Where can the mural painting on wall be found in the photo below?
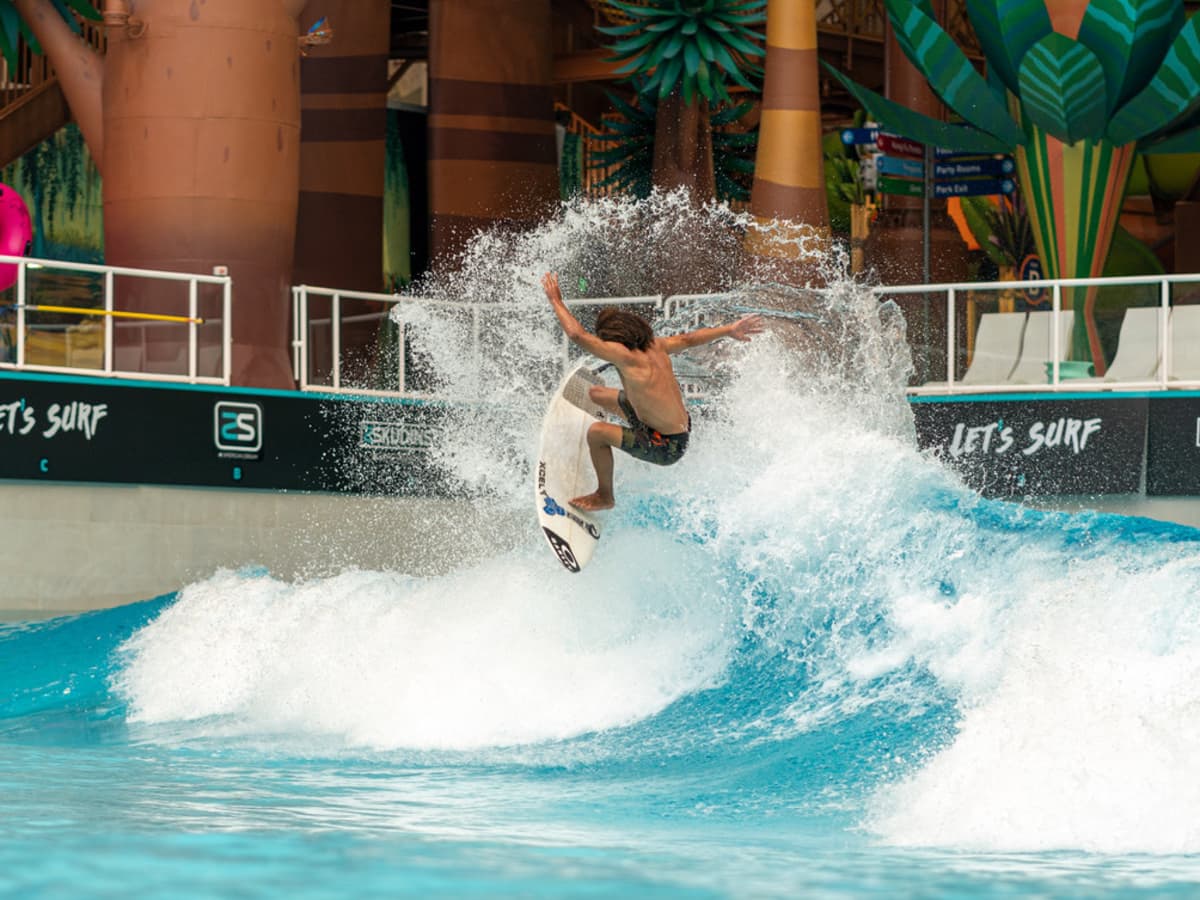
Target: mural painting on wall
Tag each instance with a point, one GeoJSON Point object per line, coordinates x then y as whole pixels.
{"type": "Point", "coordinates": [60, 184]}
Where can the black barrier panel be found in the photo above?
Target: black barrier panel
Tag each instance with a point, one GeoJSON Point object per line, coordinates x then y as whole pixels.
{"type": "Point", "coordinates": [1030, 448]}
{"type": "Point", "coordinates": [62, 429]}
{"type": "Point", "coordinates": [1173, 456]}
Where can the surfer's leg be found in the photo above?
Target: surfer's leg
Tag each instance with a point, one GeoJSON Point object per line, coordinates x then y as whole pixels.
{"type": "Point", "coordinates": [601, 438]}
{"type": "Point", "coordinates": [605, 398]}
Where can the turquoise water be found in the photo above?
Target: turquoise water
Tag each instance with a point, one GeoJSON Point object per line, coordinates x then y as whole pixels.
{"type": "Point", "coordinates": [804, 662]}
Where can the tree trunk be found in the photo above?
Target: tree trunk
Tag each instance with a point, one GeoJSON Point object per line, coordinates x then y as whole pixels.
{"type": "Point", "coordinates": [80, 69]}
{"type": "Point", "coordinates": [202, 143]}
{"type": "Point", "coordinates": [683, 154]}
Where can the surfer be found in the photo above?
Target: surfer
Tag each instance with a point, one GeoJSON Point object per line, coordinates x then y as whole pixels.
{"type": "Point", "coordinates": [651, 401]}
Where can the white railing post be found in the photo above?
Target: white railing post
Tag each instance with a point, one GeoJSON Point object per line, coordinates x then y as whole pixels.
{"type": "Point", "coordinates": [1164, 335]}
{"type": "Point", "coordinates": [1055, 331]}
{"type": "Point", "coordinates": [20, 313]}
{"type": "Point", "coordinates": [401, 355]}
{"type": "Point", "coordinates": [296, 334]}
{"type": "Point", "coordinates": [951, 342]}
{"type": "Point", "coordinates": [227, 331]}
{"type": "Point", "coordinates": [109, 361]}
{"type": "Point", "coordinates": [304, 337]}
{"type": "Point", "coordinates": [192, 335]}
{"type": "Point", "coordinates": [336, 325]}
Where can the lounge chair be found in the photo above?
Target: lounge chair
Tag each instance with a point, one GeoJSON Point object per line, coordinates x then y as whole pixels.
{"type": "Point", "coordinates": [1036, 349]}
{"type": "Point", "coordinates": [1138, 350]}
{"type": "Point", "coordinates": [1185, 344]}
{"type": "Point", "coordinates": [997, 348]}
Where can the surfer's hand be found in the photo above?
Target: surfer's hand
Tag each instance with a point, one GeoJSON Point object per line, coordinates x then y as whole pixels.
{"type": "Point", "coordinates": [550, 286]}
{"type": "Point", "coordinates": [743, 329]}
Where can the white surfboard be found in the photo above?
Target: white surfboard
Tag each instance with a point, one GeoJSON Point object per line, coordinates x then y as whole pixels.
{"type": "Point", "coordinates": [564, 471]}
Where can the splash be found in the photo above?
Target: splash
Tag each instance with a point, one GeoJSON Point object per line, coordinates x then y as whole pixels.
{"type": "Point", "coordinates": [805, 608]}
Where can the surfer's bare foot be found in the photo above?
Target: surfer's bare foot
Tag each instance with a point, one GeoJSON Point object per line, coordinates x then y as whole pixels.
{"type": "Point", "coordinates": [594, 502]}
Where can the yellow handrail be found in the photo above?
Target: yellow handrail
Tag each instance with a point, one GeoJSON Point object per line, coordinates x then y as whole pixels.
{"type": "Point", "coordinates": [155, 317]}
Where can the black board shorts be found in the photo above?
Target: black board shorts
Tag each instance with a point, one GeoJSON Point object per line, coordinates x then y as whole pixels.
{"type": "Point", "coordinates": [641, 441]}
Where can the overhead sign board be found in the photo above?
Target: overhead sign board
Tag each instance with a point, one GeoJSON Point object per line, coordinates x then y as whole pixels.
{"type": "Point", "coordinates": [854, 136]}
{"type": "Point", "coordinates": [900, 167]}
{"type": "Point", "coordinates": [954, 168]}
{"type": "Point", "coordinates": [903, 187]}
{"type": "Point", "coordinates": [975, 187]}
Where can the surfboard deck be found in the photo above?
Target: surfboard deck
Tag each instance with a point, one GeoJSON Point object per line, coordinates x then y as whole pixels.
{"type": "Point", "coordinates": [564, 470]}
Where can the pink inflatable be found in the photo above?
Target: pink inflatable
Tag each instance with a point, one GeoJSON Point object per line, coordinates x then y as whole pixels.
{"type": "Point", "coordinates": [16, 233]}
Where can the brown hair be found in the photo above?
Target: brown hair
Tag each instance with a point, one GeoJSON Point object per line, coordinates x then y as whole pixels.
{"type": "Point", "coordinates": [624, 327]}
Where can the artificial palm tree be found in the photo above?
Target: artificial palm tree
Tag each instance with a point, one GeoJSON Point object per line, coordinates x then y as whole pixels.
{"type": "Point", "coordinates": [685, 54]}
{"type": "Point", "coordinates": [1075, 88]}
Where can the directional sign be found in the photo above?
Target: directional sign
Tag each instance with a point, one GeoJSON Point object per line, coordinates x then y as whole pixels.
{"type": "Point", "coordinates": [897, 165]}
{"type": "Point", "coordinates": [898, 146]}
{"type": "Point", "coordinates": [973, 188]}
{"type": "Point", "coordinates": [852, 136]}
{"type": "Point", "coordinates": [903, 186]}
{"type": "Point", "coordinates": [956, 168]}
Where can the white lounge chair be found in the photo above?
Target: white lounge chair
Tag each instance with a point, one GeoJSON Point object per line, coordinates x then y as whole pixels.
{"type": "Point", "coordinates": [1036, 349]}
{"type": "Point", "coordinates": [997, 348]}
{"type": "Point", "coordinates": [1138, 350]}
{"type": "Point", "coordinates": [1185, 344]}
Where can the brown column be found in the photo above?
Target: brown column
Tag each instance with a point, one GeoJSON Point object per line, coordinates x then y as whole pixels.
{"type": "Point", "coordinates": [491, 126]}
{"type": "Point", "coordinates": [201, 149]}
{"type": "Point", "coordinates": [343, 116]}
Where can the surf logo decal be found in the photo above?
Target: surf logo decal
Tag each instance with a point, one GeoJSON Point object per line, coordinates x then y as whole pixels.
{"type": "Point", "coordinates": [552, 508]}
{"type": "Point", "coordinates": [562, 549]}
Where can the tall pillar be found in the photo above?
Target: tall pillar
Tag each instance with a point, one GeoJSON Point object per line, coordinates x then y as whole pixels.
{"type": "Point", "coordinates": [491, 126]}
{"type": "Point", "coordinates": [343, 122]}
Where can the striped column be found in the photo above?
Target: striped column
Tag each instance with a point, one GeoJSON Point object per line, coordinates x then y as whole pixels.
{"type": "Point", "coordinates": [789, 181]}
{"type": "Point", "coordinates": [789, 178]}
{"type": "Point", "coordinates": [343, 120]}
{"type": "Point", "coordinates": [492, 155]}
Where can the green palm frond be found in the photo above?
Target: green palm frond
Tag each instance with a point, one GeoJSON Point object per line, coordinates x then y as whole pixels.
{"type": "Point", "coordinates": [917, 126]}
{"type": "Point", "coordinates": [696, 47]}
{"type": "Point", "coordinates": [951, 75]}
{"type": "Point", "coordinates": [1172, 94]}
{"type": "Point", "coordinates": [733, 152]}
{"type": "Point", "coordinates": [1062, 88]}
{"type": "Point", "coordinates": [13, 29]}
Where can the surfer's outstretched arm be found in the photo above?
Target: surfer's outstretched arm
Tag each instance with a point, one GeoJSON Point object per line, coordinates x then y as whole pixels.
{"type": "Point", "coordinates": [609, 351]}
{"type": "Point", "coordinates": [741, 330]}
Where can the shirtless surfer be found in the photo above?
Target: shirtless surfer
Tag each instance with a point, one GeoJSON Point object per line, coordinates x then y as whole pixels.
{"type": "Point", "coordinates": [651, 401]}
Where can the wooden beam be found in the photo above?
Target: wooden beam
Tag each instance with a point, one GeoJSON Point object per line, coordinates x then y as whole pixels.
{"type": "Point", "coordinates": [585, 65]}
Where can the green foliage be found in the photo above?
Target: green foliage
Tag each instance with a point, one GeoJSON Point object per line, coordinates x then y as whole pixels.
{"type": "Point", "coordinates": [733, 153]}
{"type": "Point", "coordinates": [630, 134]}
{"type": "Point", "coordinates": [13, 28]}
{"type": "Point", "coordinates": [1132, 74]}
{"type": "Point", "coordinates": [951, 75]}
{"type": "Point", "coordinates": [1003, 230]}
{"type": "Point", "coordinates": [691, 46]}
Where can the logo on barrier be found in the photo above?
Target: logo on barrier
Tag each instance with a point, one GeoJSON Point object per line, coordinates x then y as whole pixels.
{"type": "Point", "coordinates": [375, 435]}
{"type": "Point", "coordinates": [237, 427]}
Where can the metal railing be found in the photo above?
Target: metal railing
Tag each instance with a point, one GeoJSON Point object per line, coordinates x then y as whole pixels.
{"type": "Point", "coordinates": [25, 304]}
{"type": "Point", "coordinates": [304, 325]}
{"type": "Point", "coordinates": [1163, 373]}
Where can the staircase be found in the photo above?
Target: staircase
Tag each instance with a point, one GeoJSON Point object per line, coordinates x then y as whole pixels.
{"type": "Point", "coordinates": [32, 105]}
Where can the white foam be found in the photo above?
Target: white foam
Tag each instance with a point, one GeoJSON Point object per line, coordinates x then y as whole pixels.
{"type": "Point", "coordinates": [514, 652]}
{"type": "Point", "coordinates": [1081, 718]}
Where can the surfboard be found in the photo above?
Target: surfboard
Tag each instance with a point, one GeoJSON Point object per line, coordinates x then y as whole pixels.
{"type": "Point", "coordinates": [564, 470]}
